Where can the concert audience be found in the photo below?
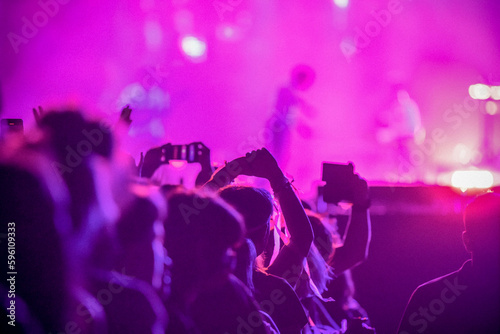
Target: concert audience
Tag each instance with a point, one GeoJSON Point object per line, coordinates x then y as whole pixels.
{"type": "Point", "coordinates": [256, 207]}
{"type": "Point", "coordinates": [102, 250]}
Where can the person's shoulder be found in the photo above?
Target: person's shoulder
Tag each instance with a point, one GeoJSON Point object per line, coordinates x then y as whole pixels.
{"type": "Point", "coordinates": [276, 294]}
{"type": "Point", "coordinates": [237, 287]}
{"type": "Point", "coordinates": [263, 280]}
{"type": "Point", "coordinates": [440, 282]}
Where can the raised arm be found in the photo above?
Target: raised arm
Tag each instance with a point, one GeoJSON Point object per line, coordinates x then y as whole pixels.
{"type": "Point", "coordinates": [292, 255]}
{"type": "Point", "coordinates": [260, 163]}
{"type": "Point", "coordinates": [297, 222]}
{"type": "Point", "coordinates": [357, 240]}
{"type": "Point", "coordinates": [224, 175]}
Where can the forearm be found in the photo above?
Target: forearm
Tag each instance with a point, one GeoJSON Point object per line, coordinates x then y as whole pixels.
{"type": "Point", "coordinates": [297, 222]}
{"type": "Point", "coordinates": [223, 176]}
{"type": "Point", "coordinates": [356, 244]}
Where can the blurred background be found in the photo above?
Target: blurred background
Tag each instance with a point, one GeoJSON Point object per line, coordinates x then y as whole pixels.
{"type": "Point", "coordinates": [210, 71]}
{"type": "Point", "coordinates": [406, 90]}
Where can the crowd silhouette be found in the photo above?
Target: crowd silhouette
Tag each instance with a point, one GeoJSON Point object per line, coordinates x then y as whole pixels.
{"type": "Point", "coordinates": [103, 248]}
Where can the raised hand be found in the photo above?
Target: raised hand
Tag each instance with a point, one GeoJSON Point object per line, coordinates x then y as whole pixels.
{"type": "Point", "coordinates": [38, 114]}
{"type": "Point", "coordinates": [261, 163]}
{"type": "Point", "coordinates": [125, 115]}
{"type": "Point", "coordinates": [360, 195]}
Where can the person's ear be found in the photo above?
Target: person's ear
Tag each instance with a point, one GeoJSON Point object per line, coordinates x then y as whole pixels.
{"type": "Point", "coordinates": [467, 241]}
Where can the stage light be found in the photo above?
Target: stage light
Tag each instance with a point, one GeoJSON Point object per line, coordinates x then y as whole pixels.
{"type": "Point", "coordinates": [481, 179]}
{"type": "Point", "coordinates": [193, 47]}
{"type": "Point", "coordinates": [341, 3]}
{"type": "Point", "coordinates": [472, 91]}
{"type": "Point", "coordinates": [462, 154]}
{"type": "Point", "coordinates": [495, 92]}
{"type": "Point", "coordinates": [479, 92]}
{"type": "Point", "coordinates": [491, 108]}
{"type": "Point", "coordinates": [228, 32]}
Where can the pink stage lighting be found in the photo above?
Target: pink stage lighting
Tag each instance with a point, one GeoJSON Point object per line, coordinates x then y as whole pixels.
{"type": "Point", "coordinates": [194, 48]}
{"type": "Point", "coordinates": [480, 179]}
{"type": "Point", "coordinates": [341, 3]}
{"type": "Point", "coordinates": [491, 108]}
{"type": "Point", "coordinates": [484, 92]}
{"type": "Point", "coordinates": [495, 92]}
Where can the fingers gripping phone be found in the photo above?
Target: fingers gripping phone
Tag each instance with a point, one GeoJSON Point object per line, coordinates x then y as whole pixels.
{"type": "Point", "coordinates": [11, 126]}
{"type": "Point", "coordinates": [189, 152]}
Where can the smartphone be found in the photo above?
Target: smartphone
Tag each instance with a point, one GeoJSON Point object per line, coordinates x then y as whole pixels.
{"type": "Point", "coordinates": [189, 152]}
{"type": "Point", "coordinates": [339, 182]}
{"type": "Point", "coordinates": [12, 125]}
{"type": "Point", "coordinates": [336, 173]}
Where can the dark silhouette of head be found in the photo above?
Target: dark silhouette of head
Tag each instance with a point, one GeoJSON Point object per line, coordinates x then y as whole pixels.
{"type": "Point", "coordinates": [72, 141]}
{"type": "Point", "coordinates": [1, 99]}
{"type": "Point", "coordinates": [200, 232]}
{"type": "Point", "coordinates": [245, 263]}
{"type": "Point", "coordinates": [482, 228]}
{"type": "Point", "coordinates": [28, 204]}
{"type": "Point", "coordinates": [256, 206]}
{"type": "Point", "coordinates": [323, 239]}
{"type": "Point", "coordinates": [70, 128]}
{"type": "Point", "coordinates": [302, 77]}
{"type": "Point", "coordinates": [141, 239]}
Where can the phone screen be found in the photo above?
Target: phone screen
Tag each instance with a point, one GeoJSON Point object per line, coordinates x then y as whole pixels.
{"type": "Point", "coordinates": [337, 172]}
{"type": "Point", "coordinates": [192, 152]}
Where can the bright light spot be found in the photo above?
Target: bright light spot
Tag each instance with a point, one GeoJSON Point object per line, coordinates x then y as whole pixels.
{"type": "Point", "coordinates": [462, 154]}
{"type": "Point", "coordinates": [228, 32]}
{"type": "Point", "coordinates": [177, 164]}
{"type": "Point", "coordinates": [495, 92]}
{"type": "Point", "coordinates": [472, 91]}
{"type": "Point", "coordinates": [345, 205]}
{"type": "Point", "coordinates": [482, 91]}
{"type": "Point", "coordinates": [491, 108]}
{"type": "Point", "coordinates": [464, 180]}
{"type": "Point", "coordinates": [341, 3]}
{"type": "Point", "coordinates": [479, 91]}
{"type": "Point", "coordinates": [444, 179]}
{"type": "Point", "coordinates": [153, 34]}
{"type": "Point", "coordinates": [193, 47]}
{"type": "Point", "coordinates": [132, 94]}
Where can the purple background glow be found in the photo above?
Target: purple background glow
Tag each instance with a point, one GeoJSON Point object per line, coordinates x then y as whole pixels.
{"type": "Point", "coordinates": [97, 54]}
{"type": "Point", "coordinates": [90, 51]}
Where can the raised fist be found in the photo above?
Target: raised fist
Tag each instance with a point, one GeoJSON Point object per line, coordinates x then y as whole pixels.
{"type": "Point", "coordinates": [261, 163]}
